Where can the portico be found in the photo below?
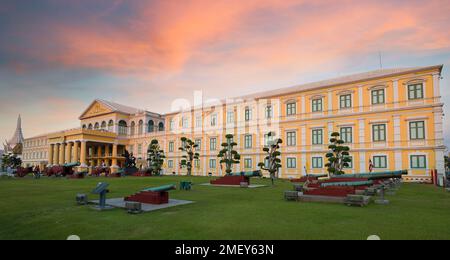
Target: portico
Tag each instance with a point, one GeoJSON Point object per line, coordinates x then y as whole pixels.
{"type": "Point", "coordinates": [89, 148]}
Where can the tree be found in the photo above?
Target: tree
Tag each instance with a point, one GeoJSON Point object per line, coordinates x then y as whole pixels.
{"type": "Point", "coordinates": [155, 157]}
{"type": "Point", "coordinates": [338, 157]}
{"type": "Point", "coordinates": [273, 161]}
{"type": "Point", "coordinates": [130, 160]}
{"type": "Point", "coordinates": [11, 160]}
{"type": "Point", "coordinates": [188, 146]}
{"type": "Point", "coordinates": [447, 163]}
{"type": "Point", "coordinates": [5, 161]}
{"type": "Point", "coordinates": [229, 155]}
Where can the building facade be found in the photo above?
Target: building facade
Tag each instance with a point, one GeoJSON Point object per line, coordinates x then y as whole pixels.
{"type": "Point", "coordinates": [390, 118]}
{"type": "Point", "coordinates": [35, 151]}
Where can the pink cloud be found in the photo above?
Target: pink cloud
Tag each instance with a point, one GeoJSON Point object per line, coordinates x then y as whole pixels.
{"type": "Point", "coordinates": [196, 31]}
{"type": "Point", "coordinates": [223, 47]}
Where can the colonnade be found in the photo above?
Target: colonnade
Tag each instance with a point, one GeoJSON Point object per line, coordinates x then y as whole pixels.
{"type": "Point", "coordinates": [87, 154]}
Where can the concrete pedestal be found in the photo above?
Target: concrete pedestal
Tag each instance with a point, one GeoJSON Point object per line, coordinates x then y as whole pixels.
{"type": "Point", "coordinates": [114, 169]}
{"type": "Point", "coordinates": [382, 202]}
{"type": "Point", "coordinates": [81, 168]}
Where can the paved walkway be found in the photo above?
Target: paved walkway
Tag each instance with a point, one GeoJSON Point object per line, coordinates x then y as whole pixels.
{"type": "Point", "coordinates": [120, 203]}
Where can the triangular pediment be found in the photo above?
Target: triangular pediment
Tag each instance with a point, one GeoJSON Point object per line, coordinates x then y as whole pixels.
{"type": "Point", "coordinates": [96, 109]}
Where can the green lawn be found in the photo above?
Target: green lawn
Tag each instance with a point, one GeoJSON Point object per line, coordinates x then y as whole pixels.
{"type": "Point", "coordinates": [45, 209]}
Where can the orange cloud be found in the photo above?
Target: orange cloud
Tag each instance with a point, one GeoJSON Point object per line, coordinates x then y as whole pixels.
{"type": "Point", "coordinates": [229, 48]}
{"type": "Point", "coordinates": [166, 37]}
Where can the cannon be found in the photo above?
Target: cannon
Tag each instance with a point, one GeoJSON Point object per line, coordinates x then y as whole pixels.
{"type": "Point", "coordinates": [347, 183]}
{"type": "Point", "coordinates": [309, 177]}
{"type": "Point", "coordinates": [155, 195]}
{"type": "Point", "coordinates": [236, 179]}
{"type": "Point", "coordinates": [246, 174]}
{"type": "Point", "coordinates": [162, 188]}
{"type": "Point", "coordinates": [67, 170]}
{"type": "Point", "coordinates": [374, 175]}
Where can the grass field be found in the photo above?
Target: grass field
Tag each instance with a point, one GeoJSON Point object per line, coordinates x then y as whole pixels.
{"type": "Point", "coordinates": [45, 209]}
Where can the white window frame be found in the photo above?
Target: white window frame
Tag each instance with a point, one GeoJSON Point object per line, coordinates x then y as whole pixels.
{"type": "Point", "coordinates": [211, 148]}
{"type": "Point", "coordinates": [383, 88]}
{"type": "Point", "coordinates": [380, 155]}
{"type": "Point", "coordinates": [291, 162]}
{"type": "Point", "coordinates": [289, 138]}
{"type": "Point", "coordinates": [212, 163]}
{"type": "Point", "coordinates": [248, 163]}
{"type": "Point", "coordinates": [312, 136]}
{"type": "Point", "coordinates": [312, 162]}
{"type": "Point", "coordinates": [351, 101]}
{"type": "Point", "coordinates": [214, 120]}
{"type": "Point", "coordinates": [424, 130]}
{"type": "Point", "coordinates": [321, 105]}
{"type": "Point", "coordinates": [291, 111]}
{"type": "Point", "coordinates": [246, 146]}
{"type": "Point", "coordinates": [351, 134]}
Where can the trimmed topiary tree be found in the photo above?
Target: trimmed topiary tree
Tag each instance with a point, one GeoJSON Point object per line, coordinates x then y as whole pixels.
{"type": "Point", "coordinates": [155, 157]}
{"type": "Point", "coordinates": [272, 158]}
{"type": "Point", "coordinates": [338, 157]}
{"type": "Point", "coordinates": [447, 163]}
{"type": "Point", "coordinates": [228, 155]}
{"type": "Point", "coordinates": [188, 146]}
{"type": "Point", "coordinates": [11, 160]}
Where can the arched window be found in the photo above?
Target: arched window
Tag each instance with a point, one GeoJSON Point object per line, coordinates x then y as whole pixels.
{"type": "Point", "coordinates": [84, 126]}
{"type": "Point", "coordinates": [161, 126]}
{"type": "Point", "coordinates": [111, 126]}
{"type": "Point", "coordinates": [103, 125]}
{"type": "Point", "coordinates": [151, 126]}
{"type": "Point", "coordinates": [97, 126]}
{"type": "Point", "coordinates": [122, 127]}
{"type": "Point", "coordinates": [90, 127]}
{"type": "Point", "coordinates": [141, 127]}
{"type": "Point", "coordinates": [133, 128]}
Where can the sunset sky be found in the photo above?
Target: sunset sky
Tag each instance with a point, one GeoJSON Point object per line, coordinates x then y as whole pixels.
{"type": "Point", "coordinates": [57, 56]}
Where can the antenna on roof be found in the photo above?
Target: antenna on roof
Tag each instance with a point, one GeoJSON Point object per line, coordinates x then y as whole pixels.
{"type": "Point", "coordinates": [381, 61]}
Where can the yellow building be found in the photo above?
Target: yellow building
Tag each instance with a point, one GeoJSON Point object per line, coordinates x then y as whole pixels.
{"type": "Point", "coordinates": [392, 118]}
{"type": "Point", "coordinates": [35, 151]}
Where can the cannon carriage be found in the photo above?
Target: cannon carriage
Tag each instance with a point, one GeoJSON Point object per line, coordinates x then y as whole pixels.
{"type": "Point", "coordinates": [235, 179]}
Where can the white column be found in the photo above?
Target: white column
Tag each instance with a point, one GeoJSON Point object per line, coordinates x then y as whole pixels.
{"type": "Point", "coordinates": [83, 154]}
{"type": "Point", "coordinates": [398, 160]}
{"type": "Point", "coordinates": [396, 96]}
{"type": "Point", "coordinates": [361, 99]}
{"type": "Point", "coordinates": [436, 87]}
{"type": "Point", "coordinates": [362, 134]}
{"type": "Point", "coordinates": [303, 107]}
{"type": "Point", "coordinates": [397, 131]}
{"type": "Point", "coordinates": [76, 157]}
{"type": "Point", "coordinates": [438, 126]}
{"type": "Point", "coordinates": [362, 162]}
{"type": "Point", "coordinates": [330, 102]}
{"type": "Point", "coordinates": [205, 163]}
{"type": "Point", "coordinates": [304, 163]}
{"type": "Point", "coordinates": [330, 131]}
{"type": "Point", "coordinates": [304, 145]}
{"type": "Point", "coordinates": [440, 165]}
{"type": "Point", "coordinates": [258, 146]}
{"type": "Point", "coordinates": [397, 143]}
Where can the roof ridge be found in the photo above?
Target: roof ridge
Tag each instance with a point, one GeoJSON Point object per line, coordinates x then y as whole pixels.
{"type": "Point", "coordinates": [346, 79]}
